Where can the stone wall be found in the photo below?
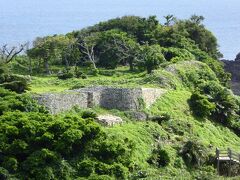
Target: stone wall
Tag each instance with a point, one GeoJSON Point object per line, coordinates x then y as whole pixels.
{"type": "Point", "coordinates": [150, 95]}
{"type": "Point", "coordinates": [106, 97]}
{"type": "Point", "coordinates": [58, 102]}
{"type": "Point", "coordinates": [122, 99]}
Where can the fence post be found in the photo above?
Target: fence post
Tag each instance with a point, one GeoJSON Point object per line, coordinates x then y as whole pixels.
{"type": "Point", "coordinates": [239, 160]}
{"type": "Point", "coordinates": [230, 161]}
{"type": "Point", "coordinates": [217, 155]}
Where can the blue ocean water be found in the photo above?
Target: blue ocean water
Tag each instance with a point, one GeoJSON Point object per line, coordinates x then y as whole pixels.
{"type": "Point", "coordinates": [24, 20]}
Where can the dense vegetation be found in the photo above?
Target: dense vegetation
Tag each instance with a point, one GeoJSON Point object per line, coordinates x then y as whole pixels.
{"type": "Point", "coordinates": [196, 114]}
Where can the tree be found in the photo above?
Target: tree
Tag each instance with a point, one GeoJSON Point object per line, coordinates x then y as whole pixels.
{"type": "Point", "coordinates": [197, 19]}
{"type": "Point", "coordinates": [202, 37]}
{"type": "Point", "coordinates": [88, 43]}
{"type": "Point", "coordinates": [150, 57]}
{"type": "Point", "coordinates": [138, 27]}
{"type": "Point", "coordinates": [7, 54]}
{"type": "Point", "coordinates": [116, 47]}
{"type": "Point", "coordinates": [52, 48]}
{"type": "Point", "coordinates": [169, 19]}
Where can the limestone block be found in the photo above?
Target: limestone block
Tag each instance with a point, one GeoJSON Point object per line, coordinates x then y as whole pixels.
{"type": "Point", "coordinates": [58, 102]}
{"type": "Point", "coordinates": [109, 120]}
{"type": "Point", "coordinates": [150, 95]}
{"type": "Point", "coordinates": [125, 99]}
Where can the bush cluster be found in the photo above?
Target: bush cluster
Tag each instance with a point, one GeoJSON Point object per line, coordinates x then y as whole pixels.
{"type": "Point", "coordinates": [13, 82]}
{"type": "Point", "coordinates": [40, 145]}
{"type": "Point", "coordinates": [217, 103]}
{"type": "Point", "coordinates": [34, 144]}
{"type": "Point", "coordinates": [194, 153]}
{"type": "Point", "coordinates": [10, 101]}
{"type": "Point", "coordinates": [67, 74]}
{"type": "Point", "coordinates": [159, 158]}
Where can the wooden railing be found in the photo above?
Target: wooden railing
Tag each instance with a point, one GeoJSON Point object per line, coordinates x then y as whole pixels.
{"type": "Point", "coordinates": [227, 155]}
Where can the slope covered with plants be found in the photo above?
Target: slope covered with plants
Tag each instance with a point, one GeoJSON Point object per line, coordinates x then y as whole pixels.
{"type": "Point", "coordinates": [197, 114]}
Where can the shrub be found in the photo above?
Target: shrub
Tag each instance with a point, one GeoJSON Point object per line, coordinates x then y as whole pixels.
{"type": "Point", "coordinates": [120, 171]}
{"type": "Point", "coordinates": [10, 101]}
{"type": "Point", "coordinates": [10, 164]}
{"type": "Point", "coordinates": [35, 144]}
{"type": "Point", "coordinates": [100, 177]}
{"type": "Point", "coordinates": [4, 174]}
{"type": "Point", "coordinates": [194, 153]}
{"type": "Point", "coordinates": [78, 74]}
{"type": "Point", "coordinates": [159, 158]}
{"type": "Point", "coordinates": [77, 86]}
{"type": "Point", "coordinates": [200, 105]}
{"type": "Point", "coordinates": [172, 54]}
{"type": "Point", "coordinates": [17, 86]}
{"type": "Point", "coordinates": [226, 105]}
{"type": "Point", "coordinates": [15, 83]}
{"type": "Point", "coordinates": [162, 118]}
{"type": "Point", "coordinates": [140, 175]}
{"type": "Point", "coordinates": [94, 72]}
{"type": "Point", "coordinates": [65, 75]}
{"type": "Point", "coordinates": [84, 76]}
{"type": "Point", "coordinates": [86, 168]}
{"type": "Point", "coordinates": [206, 173]}
{"type": "Point", "coordinates": [89, 114]}
{"type": "Point", "coordinates": [62, 147]}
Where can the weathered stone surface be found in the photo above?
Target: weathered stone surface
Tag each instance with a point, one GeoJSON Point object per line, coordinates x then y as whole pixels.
{"type": "Point", "coordinates": [150, 95]}
{"type": "Point", "coordinates": [237, 57]}
{"type": "Point", "coordinates": [109, 120]}
{"type": "Point", "coordinates": [233, 67]}
{"type": "Point", "coordinates": [106, 97]}
{"type": "Point", "coordinates": [58, 102]}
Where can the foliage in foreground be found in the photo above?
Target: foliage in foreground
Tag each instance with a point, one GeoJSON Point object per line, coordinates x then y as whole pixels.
{"type": "Point", "coordinates": [37, 145]}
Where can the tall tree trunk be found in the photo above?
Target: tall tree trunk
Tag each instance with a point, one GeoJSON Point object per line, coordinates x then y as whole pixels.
{"type": "Point", "coordinates": [131, 64]}
{"type": "Point", "coordinates": [66, 61]}
{"type": "Point", "coordinates": [30, 66]}
{"type": "Point", "coordinates": [46, 67]}
{"type": "Point", "coordinates": [91, 58]}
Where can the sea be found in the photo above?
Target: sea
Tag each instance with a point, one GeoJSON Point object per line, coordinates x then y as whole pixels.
{"type": "Point", "coordinates": [24, 20]}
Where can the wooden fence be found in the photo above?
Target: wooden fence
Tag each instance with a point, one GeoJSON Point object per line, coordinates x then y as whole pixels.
{"type": "Point", "coordinates": [227, 156]}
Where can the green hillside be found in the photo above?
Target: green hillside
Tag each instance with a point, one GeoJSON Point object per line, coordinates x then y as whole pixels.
{"type": "Point", "coordinates": [197, 114]}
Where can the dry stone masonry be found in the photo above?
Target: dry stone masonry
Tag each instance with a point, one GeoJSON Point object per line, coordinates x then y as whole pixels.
{"type": "Point", "coordinates": [106, 97]}
{"type": "Point", "coordinates": [57, 102]}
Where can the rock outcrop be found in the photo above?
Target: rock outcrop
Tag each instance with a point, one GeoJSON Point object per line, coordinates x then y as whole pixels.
{"type": "Point", "coordinates": [109, 120]}
{"type": "Point", "coordinates": [237, 59]}
{"type": "Point", "coordinates": [233, 67]}
{"type": "Point", "coordinates": [107, 97]}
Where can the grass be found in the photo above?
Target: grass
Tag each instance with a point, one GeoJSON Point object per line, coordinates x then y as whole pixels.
{"type": "Point", "coordinates": [171, 134]}
{"type": "Point", "coordinates": [175, 103]}
{"type": "Point", "coordinates": [142, 134]}
{"type": "Point", "coordinates": [122, 77]}
{"type": "Point", "coordinates": [170, 77]}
